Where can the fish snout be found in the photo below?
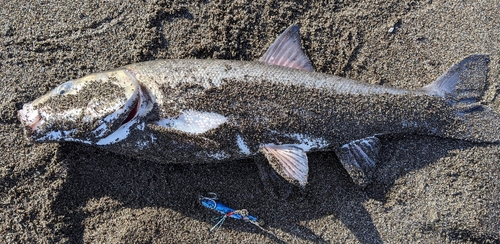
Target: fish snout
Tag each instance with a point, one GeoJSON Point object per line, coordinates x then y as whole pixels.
{"type": "Point", "coordinates": [29, 117]}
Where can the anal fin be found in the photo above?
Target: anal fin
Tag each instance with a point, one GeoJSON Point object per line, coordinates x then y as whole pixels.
{"type": "Point", "coordinates": [289, 161]}
{"type": "Point", "coordinates": [359, 158]}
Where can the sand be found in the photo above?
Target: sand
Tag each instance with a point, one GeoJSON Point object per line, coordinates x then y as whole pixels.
{"type": "Point", "coordinates": [426, 189]}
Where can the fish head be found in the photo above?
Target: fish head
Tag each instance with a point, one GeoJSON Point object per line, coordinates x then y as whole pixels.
{"type": "Point", "coordinates": [84, 109]}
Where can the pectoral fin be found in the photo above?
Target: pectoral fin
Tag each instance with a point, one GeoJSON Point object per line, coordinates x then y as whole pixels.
{"type": "Point", "coordinates": [289, 161]}
{"type": "Point", "coordinates": [359, 158]}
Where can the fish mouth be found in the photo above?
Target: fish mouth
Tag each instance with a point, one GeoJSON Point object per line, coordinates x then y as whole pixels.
{"type": "Point", "coordinates": [30, 118]}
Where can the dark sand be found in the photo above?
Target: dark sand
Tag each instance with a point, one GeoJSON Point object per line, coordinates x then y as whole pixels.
{"type": "Point", "coordinates": [427, 189]}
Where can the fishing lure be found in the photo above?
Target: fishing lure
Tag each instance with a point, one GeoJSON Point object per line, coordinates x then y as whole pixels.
{"type": "Point", "coordinates": [242, 214]}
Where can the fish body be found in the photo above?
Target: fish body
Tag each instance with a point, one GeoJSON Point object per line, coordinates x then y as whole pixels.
{"type": "Point", "coordinates": [190, 111]}
{"type": "Point", "coordinates": [251, 104]}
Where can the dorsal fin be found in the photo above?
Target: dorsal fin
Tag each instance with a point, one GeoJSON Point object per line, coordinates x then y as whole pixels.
{"type": "Point", "coordinates": [286, 51]}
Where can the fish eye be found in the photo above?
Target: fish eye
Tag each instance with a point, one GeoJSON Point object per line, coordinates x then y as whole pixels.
{"type": "Point", "coordinates": [63, 88]}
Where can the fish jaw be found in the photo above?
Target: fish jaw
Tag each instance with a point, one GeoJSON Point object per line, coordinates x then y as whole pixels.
{"type": "Point", "coordinates": [30, 118]}
{"type": "Point", "coordinates": [83, 109]}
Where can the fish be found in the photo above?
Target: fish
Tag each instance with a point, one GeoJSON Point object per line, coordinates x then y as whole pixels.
{"type": "Point", "coordinates": [277, 109]}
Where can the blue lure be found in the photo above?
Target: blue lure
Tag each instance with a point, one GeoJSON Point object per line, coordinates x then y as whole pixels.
{"type": "Point", "coordinates": [212, 203]}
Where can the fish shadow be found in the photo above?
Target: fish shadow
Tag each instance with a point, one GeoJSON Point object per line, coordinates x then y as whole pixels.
{"type": "Point", "coordinates": [94, 174]}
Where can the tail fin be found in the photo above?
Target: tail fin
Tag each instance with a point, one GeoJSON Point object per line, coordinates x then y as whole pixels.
{"type": "Point", "coordinates": [463, 86]}
{"type": "Point", "coordinates": [464, 82]}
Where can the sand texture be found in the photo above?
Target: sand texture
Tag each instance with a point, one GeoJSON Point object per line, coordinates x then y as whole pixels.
{"type": "Point", "coordinates": [427, 189]}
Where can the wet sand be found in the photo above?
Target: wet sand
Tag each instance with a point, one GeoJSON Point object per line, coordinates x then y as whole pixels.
{"type": "Point", "coordinates": [426, 189]}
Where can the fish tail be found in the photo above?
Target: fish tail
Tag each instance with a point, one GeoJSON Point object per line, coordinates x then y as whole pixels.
{"type": "Point", "coordinates": [463, 87]}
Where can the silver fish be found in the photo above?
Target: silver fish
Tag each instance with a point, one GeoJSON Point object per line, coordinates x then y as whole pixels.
{"type": "Point", "coordinates": [185, 111]}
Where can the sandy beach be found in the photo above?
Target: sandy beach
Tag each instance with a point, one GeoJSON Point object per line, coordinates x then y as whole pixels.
{"type": "Point", "coordinates": [426, 189]}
